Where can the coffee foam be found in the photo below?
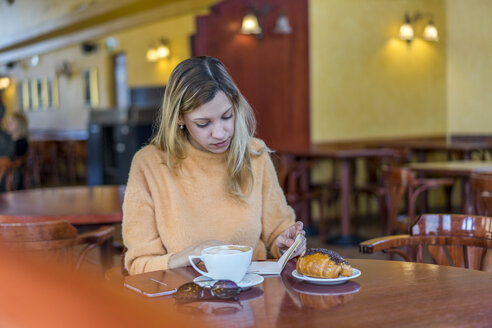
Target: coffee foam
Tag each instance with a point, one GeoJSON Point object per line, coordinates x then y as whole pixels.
{"type": "Point", "coordinates": [227, 250]}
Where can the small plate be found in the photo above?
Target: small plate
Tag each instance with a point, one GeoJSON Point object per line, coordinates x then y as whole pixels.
{"type": "Point", "coordinates": [249, 280]}
{"type": "Point", "coordinates": [326, 281]}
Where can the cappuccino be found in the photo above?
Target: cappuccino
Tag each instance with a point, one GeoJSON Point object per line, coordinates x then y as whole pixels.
{"type": "Point", "coordinates": [228, 262]}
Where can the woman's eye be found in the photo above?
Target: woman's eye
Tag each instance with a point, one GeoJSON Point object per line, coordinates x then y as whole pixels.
{"type": "Point", "coordinates": [227, 117]}
{"type": "Point", "coordinates": [202, 125]}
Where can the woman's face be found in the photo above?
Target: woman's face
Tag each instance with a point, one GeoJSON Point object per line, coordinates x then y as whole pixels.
{"type": "Point", "coordinates": [12, 127]}
{"type": "Point", "coordinates": [211, 125]}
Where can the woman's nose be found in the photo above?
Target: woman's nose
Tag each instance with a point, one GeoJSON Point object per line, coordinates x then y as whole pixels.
{"type": "Point", "coordinates": [218, 131]}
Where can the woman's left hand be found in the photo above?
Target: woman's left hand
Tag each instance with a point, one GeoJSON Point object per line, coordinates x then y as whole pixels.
{"type": "Point", "coordinates": [286, 239]}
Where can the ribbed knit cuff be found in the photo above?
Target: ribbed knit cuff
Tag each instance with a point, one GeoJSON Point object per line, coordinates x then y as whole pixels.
{"type": "Point", "coordinates": [274, 251]}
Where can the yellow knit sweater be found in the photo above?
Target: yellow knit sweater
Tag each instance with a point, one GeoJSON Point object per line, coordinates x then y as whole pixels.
{"type": "Point", "coordinates": [165, 212]}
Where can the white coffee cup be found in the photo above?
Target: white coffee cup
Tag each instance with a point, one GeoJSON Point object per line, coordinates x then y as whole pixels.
{"type": "Point", "coordinates": [227, 262]}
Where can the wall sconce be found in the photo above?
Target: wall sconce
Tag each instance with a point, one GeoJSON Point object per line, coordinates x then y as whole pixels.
{"type": "Point", "coordinates": [251, 21]}
{"type": "Point", "coordinates": [65, 69]}
{"type": "Point", "coordinates": [250, 24]}
{"type": "Point", "coordinates": [282, 25]}
{"type": "Point", "coordinates": [430, 32]}
{"type": "Point", "coordinates": [160, 51]}
{"type": "Point", "coordinates": [34, 60]}
{"type": "Point", "coordinates": [4, 82]}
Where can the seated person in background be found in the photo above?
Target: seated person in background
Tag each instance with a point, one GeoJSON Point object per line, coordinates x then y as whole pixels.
{"type": "Point", "coordinates": [6, 152]}
{"type": "Point", "coordinates": [17, 127]}
{"type": "Point", "coordinates": [204, 180]}
{"type": "Point", "coordinates": [6, 145]}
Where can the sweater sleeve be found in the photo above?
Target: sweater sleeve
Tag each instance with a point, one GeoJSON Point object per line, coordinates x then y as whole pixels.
{"type": "Point", "coordinates": [277, 215]}
{"type": "Point", "coordinates": [140, 234]}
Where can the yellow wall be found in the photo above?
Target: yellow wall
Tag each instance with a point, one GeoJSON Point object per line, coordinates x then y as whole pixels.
{"type": "Point", "coordinates": [135, 43]}
{"type": "Point", "coordinates": [73, 113]}
{"type": "Point", "coordinates": [469, 69]}
{"type": "Point", "coordinates": [365, 82]}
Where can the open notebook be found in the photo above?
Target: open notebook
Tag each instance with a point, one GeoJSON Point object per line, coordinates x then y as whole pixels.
{"type": "Point", "coordinates": [275, 267]}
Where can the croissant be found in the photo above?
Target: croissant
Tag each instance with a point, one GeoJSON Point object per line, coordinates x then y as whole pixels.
{"type": "Point", "coordinates": [323, 263]}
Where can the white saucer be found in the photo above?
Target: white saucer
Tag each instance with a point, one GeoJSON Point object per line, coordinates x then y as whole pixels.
{"type": "Point", "coordinates": [249, 280]}
{"type": "Point", "coordinates": [326, 281]}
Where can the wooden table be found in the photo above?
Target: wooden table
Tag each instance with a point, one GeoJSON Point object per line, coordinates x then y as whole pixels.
{"type": "Point", "coordinates": [387, 294]}
{"type": "Point", "coordinates": [456, 169]}
{"type": "Point", "coordinates": [83, 206]}
{"type": "Point", "coordinates": [346, 158]}
{"type": "Point", "coordinates": [79, 205]}
{"type": "Point", "coordinates": [464, 148]}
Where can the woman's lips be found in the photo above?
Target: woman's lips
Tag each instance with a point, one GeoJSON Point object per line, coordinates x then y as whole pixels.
{"type": "Point", "coordinates": [221, 144]}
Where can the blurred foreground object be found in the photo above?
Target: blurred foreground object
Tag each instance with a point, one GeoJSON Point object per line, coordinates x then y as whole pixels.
{"type": "Point", "coordinates": [43, 294]}
{"type": "Point", "coordinates": [50, 238]}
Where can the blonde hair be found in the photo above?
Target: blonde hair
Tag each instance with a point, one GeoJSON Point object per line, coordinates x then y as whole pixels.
{"type": "Point", "coordinates": [22, 125]}
{"type": "Point", "coordinates": [192, 83]}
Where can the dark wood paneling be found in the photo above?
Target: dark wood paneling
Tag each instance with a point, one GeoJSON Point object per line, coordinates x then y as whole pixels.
{"type": "Point", "coordinates": [272, 73]}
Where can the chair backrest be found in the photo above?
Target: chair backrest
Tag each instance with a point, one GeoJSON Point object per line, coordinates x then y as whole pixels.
{"type": "Point", "coordinates": [5, 165]}
{"type": "Point", "coordinates": [481, 188]}
{"type": "Point", "coordinates": [293, 175]}
{"type": "Point", "coordinates": [455, 239]}
{"type": "Point", "coordinates": [445, 239]}
{"type": "Point", "coordinates": [49, 237]}
{"type": "Point", "coordinates": [402, 184]}
{"type": "Point", "coordinates": [397, 182]}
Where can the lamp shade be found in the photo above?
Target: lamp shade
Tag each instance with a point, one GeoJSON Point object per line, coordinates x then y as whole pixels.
{"type": "Point", "coordinates": [282, 25]}
{"type": "Point", "coordinates": [163, 51]}
{"type": "Point", "coordinates": [430, 32]}
{"type": "Point", "coordinates": [152, 55]}
{"type": "Point", "coordinates": [4, 82]}
{"type": "Point", "coordinates": [250, 24]}
{"type": "Point", "coordinates": [406, 32]}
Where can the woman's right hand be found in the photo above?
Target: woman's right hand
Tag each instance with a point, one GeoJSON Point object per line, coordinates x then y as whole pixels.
{"type": "Point", "coordinates": [180, 259]}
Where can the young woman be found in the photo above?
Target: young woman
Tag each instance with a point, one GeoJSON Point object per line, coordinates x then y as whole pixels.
{"type": "Point", "coordinates": [204, 180]}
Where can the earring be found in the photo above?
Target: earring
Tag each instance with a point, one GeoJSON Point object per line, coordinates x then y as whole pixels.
{"type": "Point", "coordinates": [181, 126]}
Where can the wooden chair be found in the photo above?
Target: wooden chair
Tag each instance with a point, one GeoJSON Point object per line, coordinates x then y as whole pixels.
{"type": "Point", "coordinates": [294, 175]}
{"type": "Point", "coordinates": [5, 167]}
{"type": "Point", "coordinates": [481, 191]}
{"type": "Point", "coordinates": [374, 180]}
{"type": "Point", "coordinates": [117, 274]}
{"type": "Point", "coordinates": [450, 239]}
{"type": "Point", "coordinates": [50, 237]}
{"type": "Point", "coordinates": [15, 177]}
{"type": "Point", "coordinates": [399, 183]}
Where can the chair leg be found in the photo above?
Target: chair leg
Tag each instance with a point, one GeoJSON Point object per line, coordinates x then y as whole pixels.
{"type": "Point", "coordinates": [107, 253]}
{"type": "Point", "coordinates": [322, 219]}
{"type": "Point", "coordinates": [448, 194]}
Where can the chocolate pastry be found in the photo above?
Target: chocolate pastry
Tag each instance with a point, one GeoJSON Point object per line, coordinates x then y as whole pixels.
{"type": "Point", "coordinates": [323, 263]}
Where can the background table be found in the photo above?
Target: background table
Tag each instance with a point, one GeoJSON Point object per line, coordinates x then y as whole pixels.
{"type": "Point", "coordinates": [346, 158]}
{"type": "Point", "coordinates": [83, 206]}
{"type": "Point", "coordinates": [80, 205]}
{"type": "Point", "coordinates": [464, 149]}
{"type": "Point", "coordinates": [455, 169]}
{"type": "Point", "coordinates": [387, 294]}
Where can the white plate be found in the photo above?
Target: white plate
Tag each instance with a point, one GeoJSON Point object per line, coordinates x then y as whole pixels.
{"type": "Point", "coordinates": [249, 280]}
{"type": "Point", "coordinates": [326, 281]}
